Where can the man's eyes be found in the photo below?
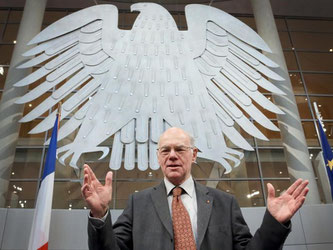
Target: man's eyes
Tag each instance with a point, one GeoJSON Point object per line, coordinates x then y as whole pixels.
{"type": "Point", "coordinates": [168, 150]}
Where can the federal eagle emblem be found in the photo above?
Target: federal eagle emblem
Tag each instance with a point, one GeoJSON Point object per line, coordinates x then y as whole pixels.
{"type": "Point", "coordinates": [133, 84]}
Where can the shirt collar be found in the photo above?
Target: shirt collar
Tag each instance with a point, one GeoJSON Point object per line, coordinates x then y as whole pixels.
{"type": "Point", "coordinates": [187, 185]}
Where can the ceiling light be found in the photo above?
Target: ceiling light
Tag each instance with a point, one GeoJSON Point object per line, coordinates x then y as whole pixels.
{"type": "Point", "coordinates": [331, 50]}
{"type": "Point", "coordinates": [14, 41]}
{"type": "Point", "coordinates": [1, 70]}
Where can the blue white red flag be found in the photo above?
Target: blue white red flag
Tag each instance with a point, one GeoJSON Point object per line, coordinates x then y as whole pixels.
{"type": "Point", "coordinates": [39, 236]}
{"type": "Point", "coordinates": [327, 154]}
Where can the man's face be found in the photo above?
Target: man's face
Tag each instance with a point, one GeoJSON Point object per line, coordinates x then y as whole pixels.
{"type": "Point", "coordinates": [175, 155]}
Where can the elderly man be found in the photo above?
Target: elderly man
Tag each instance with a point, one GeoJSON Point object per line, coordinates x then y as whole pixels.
{"type": "Point", "coordinates": [183, 214]}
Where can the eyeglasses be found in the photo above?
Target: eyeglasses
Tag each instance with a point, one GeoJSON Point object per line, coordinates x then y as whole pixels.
{"type": "Point", "coordinates": [179, 150]}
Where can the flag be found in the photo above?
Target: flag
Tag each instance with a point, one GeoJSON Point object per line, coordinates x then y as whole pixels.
{"type": "Point", "coordinates": [39, 236]}
{"type": "Point", "coordinates": [327, 154]}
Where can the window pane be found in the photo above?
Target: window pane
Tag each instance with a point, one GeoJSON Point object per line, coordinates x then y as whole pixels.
{"type": "Point", "coordinates": [267, 113]}
{"type": "Point", "coordinates": [21, 194]}
{"type": "Point", "coordinates": [274, 137]}
{"type": "Point", "coordinates": [127, 19]}
{"type": "Point", "coordinates": [15, 16]}
{"type": "Point", "coordinates": [280, 24]}
{"type": "Point", "coordinates": [316, 61]}
{"type": "Point", "coordinates": [52, 16]}
{"type": "Point", "coordinates": [248, 167]}
{"type": "Point", "coordinates": [310, 25]}
{"type": "Point", "coordinates": [247, 193]}
{"type": "Point", "coordinates": [285, 40]}
{"type": "Point", "coordinates": [249, 21]}
{"type": "Point", "coordinates": [3, 76]}
{"type": "Point", "coordinates": [123, 189]}
{"type": "Point", "coordinates": [148, 174]}
{"type": "Point", "coordinates": [6, 54]}
{"type": "Point", "coordinates": [324, 106]}
{"type": "Point", "coordinates": [28, 107]}
{"type": "Point", "coordinates": [273, 163]}
{"type": "Point", "coordinates": [296, 82]}
{"type": "Point", "coordinates": [30, 139]}
{"type": "Point", "coordinates": [3, 15]}
{"type": "Point", "coordinates": [303, 107]}
{"type": "Point", "coordinates": [313, 157]}
{"type": "Point", "coordinates": [319, 83]}
{"type": "Point", "coordinates": [26, 163]}
{"type": "Point", "coordinates": [67, 195]}
{"type": "Point", "coordinates": [11, 33]}
{"type": "Point", "coordinates": [310, 134]}
{"type": "Point", "coordinates": [279, 185]}
{"type": "Point", "coordinates": [312, 41]}
{"type": "Point", "coordinates": [290, 60]}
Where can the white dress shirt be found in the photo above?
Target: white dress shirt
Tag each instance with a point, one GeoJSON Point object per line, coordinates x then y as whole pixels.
{"type": "Point", "coordinates": [189, 200]}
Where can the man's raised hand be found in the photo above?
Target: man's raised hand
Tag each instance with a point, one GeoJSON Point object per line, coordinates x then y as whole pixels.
{"type": "Point", "coordinates": [282, 208]}
{"type": "Point", "coordinates": [96, 195]}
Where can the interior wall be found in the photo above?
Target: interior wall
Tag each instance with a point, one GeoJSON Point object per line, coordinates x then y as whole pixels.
{"type": "Point", "coordinates": [312, 228]}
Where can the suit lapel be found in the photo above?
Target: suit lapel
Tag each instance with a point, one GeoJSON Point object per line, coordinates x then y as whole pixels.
{"type": "Point", "coordinates": [205, 203]}
{"type": "Point", "coordinates": [160, 202]}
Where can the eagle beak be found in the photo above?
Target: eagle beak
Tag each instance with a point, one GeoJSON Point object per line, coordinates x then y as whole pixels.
{"type": "Point", "coordinates": [136, 7]}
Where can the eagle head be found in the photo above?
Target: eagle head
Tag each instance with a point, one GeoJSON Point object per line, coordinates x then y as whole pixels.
{"type": "Point", "coordinates": [145, 8]}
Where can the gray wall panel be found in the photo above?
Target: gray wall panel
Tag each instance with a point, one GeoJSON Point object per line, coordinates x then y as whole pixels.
{"type": "Point", "coordinates": [320, 247]}
{"type": "Point", "coordinates": [3, 214]}
{"type": "Point", "coordinates": [295, 247]}
{"type": "Point", "coordinates": [69, 228]}
{"type": "Point", "coordinates": [318, 223]}
{"type": "Point", "coordinates": [17, 230]}
{"type": "Point", "coordinates": [253, 217]}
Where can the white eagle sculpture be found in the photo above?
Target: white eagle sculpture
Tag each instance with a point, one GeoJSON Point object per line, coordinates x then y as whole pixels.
{"type": "Point", "coordinates": [134, 84]}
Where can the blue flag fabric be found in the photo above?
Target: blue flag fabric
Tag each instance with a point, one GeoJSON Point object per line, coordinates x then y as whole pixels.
{"type": "Point", "coordinates": [328, 155]}
{"type": "Point", "coordinates": [50, 160]}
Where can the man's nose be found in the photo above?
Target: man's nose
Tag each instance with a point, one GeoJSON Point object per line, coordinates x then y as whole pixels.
{"type": "Point", "coordinates": [173, 154]}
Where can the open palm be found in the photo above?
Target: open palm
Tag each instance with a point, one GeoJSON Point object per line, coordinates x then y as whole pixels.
{"type": "Point", "coordinates": [282, 208]}
{"type": "Point", "coordinates": [96, 195]}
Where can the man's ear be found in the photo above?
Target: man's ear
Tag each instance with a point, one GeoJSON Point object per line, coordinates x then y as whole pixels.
{"type": "Point", "coordinates": [194, 155]}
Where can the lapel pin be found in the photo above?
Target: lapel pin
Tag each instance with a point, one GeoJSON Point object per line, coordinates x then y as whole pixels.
{"type": "Point", "coordinates": [208, 201]}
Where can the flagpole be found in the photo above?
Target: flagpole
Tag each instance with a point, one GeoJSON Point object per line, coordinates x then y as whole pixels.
{"type": "Point", "coordinates": [318, 116]}
{"type": "Point", "coordinates": [59, 113]}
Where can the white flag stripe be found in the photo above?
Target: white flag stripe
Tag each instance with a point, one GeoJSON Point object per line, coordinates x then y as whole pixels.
{"type": "Point", "coordinates": [41, 223]}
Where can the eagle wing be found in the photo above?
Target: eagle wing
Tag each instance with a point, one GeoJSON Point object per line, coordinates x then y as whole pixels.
{"type": "Point", "coordinates": [78, 54]}
{"type": "Point", "coordinates": [226, 54]}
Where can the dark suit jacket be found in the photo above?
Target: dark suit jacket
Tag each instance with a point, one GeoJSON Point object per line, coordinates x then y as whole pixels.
{"type": "Point", "coordinates": [146, 224]}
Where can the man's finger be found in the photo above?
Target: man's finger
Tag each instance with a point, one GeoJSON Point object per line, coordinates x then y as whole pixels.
{"type": "Point", "coordinates": [300, 188]}
{"type": "Point", "coordinates": [271, 191]}
{"type": "Point", "coordinates": [91, 173]}
{"type": "Point", "coordinates": [84, 189]}
{"type": "Point", "coordinates": [86, 172]}
{"type": "Point", "coordinates": [304, 192]}
{"type": "Point", "coordinates": [293, 187]}
{"type": "Point", "coordinates": [108, 179]}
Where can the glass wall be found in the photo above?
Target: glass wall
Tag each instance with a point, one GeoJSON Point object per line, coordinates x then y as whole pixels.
{"type": "Point", "coordinates": [308, 48]}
